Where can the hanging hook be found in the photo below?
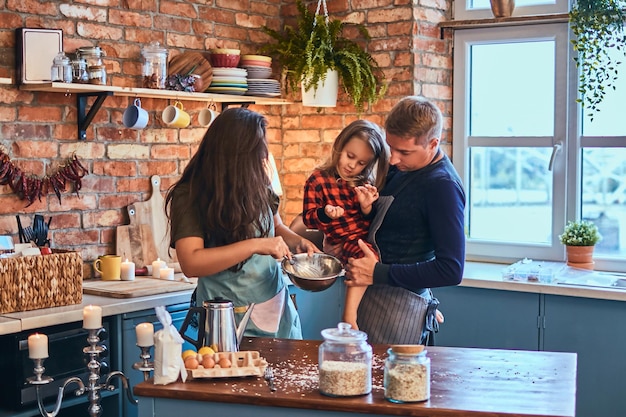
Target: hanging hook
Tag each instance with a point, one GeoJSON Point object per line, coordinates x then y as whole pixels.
{"type": "Point", "coordinates": [317, 12]}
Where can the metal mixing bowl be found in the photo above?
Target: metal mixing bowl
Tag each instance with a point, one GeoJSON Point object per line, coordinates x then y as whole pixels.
{"type": "Point", "coordinates": [312, 273]}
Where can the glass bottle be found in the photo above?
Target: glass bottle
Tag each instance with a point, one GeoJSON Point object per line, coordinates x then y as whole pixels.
{"type": "Point", "coordinates": [407, 374]}
{"type": "Point", "coordinates": [61, 69]}
{"type": "Point", "coordinates": [154, 68]}
{"type": "Point", "coordinates": [345, 362]}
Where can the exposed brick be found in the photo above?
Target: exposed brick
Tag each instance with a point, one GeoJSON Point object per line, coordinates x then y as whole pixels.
{"type": "Point", "coordinates": [89, 13]}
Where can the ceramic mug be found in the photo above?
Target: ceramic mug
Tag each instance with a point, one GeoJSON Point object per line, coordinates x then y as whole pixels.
{"type": "Point", "coordinates": [134, 116]}
{"type": "Point", "coordinates": [175, 116]}
{"type": "Point", "coordinates": [109, 267]}
{"type": "Point", "coordinates": [208, 115]}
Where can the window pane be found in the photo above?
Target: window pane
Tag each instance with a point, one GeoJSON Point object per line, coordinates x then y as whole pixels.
{"type": "Point", "coordinates": [510, 94]}
{"type": "Point", "coordinates": [510, 195]}
{"type": "Point", "coordinates": [604, 197]}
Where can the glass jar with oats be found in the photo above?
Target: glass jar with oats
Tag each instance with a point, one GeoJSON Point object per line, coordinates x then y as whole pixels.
{"type": "Point", "coordinates": [345, 362]}
{"type": "Point", "coordinates": [407, 374]}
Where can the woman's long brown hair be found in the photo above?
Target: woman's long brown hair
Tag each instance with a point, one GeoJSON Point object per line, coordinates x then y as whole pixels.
{"type": "Point", "coordinates": [227, 179]}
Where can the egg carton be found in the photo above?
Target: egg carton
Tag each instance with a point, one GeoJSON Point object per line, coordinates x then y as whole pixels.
{"type": "Point", "coordinates": [244, 363]}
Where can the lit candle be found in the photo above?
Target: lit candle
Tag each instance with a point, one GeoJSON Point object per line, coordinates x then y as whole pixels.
{"type": "Point", "coordinates": [37, 346]}
{"type": "Point", "coordinates": [128, 271]}
{"type": "Point", "coordinates": [167, 274]}
{"type": "Point", "coordinates": [145, 334]}
{"type": "Point", "coordinates": [92, 317]}
{"type": "Point", "coordinates": [156, 268]}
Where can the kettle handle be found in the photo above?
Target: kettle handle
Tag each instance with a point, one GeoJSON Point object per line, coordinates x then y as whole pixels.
{"type": "Point", "coordinates": [201, 311]}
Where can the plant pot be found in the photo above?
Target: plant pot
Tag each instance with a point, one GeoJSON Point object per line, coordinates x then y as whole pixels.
{"type": "Point", "coordinates": [502, 8]}
{"type": "Point", "coordinates": [580, 256]}
{"type": "Point", "coordinates": [324, 94]}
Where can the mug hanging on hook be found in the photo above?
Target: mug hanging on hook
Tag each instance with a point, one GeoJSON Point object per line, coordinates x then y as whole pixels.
{"type": "Point", "coordinates": [208, 115]}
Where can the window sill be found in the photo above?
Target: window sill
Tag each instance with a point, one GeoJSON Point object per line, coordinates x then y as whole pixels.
{"type": "Point", "coordinates": [504, 21]}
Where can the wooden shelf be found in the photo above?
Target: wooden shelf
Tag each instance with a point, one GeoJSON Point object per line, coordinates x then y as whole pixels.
{"type": "Point", "coordinates": [505, 21]}
{"type": "Point", "coordinates": [6, 80]}
{"type": "Point", "coordinates": [69, 88]}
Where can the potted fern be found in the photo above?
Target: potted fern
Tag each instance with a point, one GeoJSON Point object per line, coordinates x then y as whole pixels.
{"type": "Point", "coordinates": [579, 238]}
{"type": "Point", "coordinates": [597, 25]}
{"type": "Point", "coordinates": [315, 45]}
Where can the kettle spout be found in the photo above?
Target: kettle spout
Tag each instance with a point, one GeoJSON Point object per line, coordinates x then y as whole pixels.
{"type": "Point", "coordinates": [243, 324]}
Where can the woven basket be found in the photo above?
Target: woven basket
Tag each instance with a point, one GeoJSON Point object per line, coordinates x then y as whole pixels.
{"type": "Point", "coordinates": [34, 282]}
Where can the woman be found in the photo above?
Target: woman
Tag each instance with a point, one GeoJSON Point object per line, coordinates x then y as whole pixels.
{"type": "Point", "coordinates": [226, 229]}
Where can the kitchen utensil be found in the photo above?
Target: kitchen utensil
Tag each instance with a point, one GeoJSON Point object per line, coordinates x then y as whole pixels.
{"type": "Point", "coordinates": [40, 230]}
{"type": "Point", "coordinates": [217, 325]}
{"type": "Point", "coordinates": [313, 273]}
{"type": "Point", "coordinates": [140, 287]}
{"type": "Point", "coordinates": [135, 241]}
{"type": "Point", "coordinates": [20, 229]}
{"type": "Point", "coordinates": [194, 63]}
{"type": "Point", "coordinates": [269, 377]}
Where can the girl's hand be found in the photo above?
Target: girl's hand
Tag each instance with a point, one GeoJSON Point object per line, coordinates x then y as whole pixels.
{"type": "Point", "coordinates": [334, 212]}
{"type": "Point", "coordinates": [366, 195]}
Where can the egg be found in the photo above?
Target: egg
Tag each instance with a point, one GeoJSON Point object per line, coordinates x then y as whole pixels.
{"type": "Point", "coordinates": [224, 363]}
{"type": "Point", "coordinates": [191, 362]}
{"type": "Point", "coordinates": [208, 361]}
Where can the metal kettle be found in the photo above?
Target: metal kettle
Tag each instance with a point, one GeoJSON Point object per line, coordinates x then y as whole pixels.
{"type": "Point", "coordinates": [216, 325]}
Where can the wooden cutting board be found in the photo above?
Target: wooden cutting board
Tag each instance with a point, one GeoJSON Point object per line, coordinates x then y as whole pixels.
{"type": "Point", "coordinates": [135, 241]}
{"type": "Point", "coordinates": [140, 287]}
{"type": "Point", "coordinates": [152, 213]}
{"type": "Point", "coordinates": [196, 63]}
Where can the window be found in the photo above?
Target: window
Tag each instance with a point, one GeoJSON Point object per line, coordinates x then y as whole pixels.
{"type": "Point", "coordinates": [481, 9]}
{"type": "Point", "coordinates": [527, 156]}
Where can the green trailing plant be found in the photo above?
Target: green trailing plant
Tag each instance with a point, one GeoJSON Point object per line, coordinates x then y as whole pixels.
{"type": "Point", "coordinates": [314, 45]}
{"type": "Point", "coordinates": [597, 25]}
{"type": "Point", "coordinates": [580, 233]}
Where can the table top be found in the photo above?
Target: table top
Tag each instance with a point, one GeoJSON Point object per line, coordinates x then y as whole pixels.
{"type": "Point", "coordinates": [464, 382]}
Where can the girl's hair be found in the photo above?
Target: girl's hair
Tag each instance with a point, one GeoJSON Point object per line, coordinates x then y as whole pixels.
{"type": "Point", "coordinates": [227, 180]}
{"type": "Point", "coordinates": [374, 136]}
{"type": "Point", "coordinates": [415, 117]}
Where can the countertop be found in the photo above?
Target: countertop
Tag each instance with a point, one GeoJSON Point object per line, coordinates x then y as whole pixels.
{"type": "Point", "coordinates": [477, 382]}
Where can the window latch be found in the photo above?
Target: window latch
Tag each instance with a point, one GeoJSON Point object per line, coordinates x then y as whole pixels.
{"type": "Point", "coordinates": [555, 149]}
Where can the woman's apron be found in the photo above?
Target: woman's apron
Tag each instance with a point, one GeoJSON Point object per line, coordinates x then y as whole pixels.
{"type": "Point", "coordinates": [395, 315]}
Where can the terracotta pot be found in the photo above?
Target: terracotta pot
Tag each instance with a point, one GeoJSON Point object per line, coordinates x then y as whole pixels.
{"type": "Point", "coordinates": [502, 8]}
{"type": "Point", "coordinates": [580, 255]}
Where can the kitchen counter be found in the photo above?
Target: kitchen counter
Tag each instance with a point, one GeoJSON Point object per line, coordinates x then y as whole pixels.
{"type": "Point", "coordinates": [477, 382]}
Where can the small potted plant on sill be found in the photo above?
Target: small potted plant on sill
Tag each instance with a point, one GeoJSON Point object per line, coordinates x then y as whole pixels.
{"type": "Point", "coordinates": [314, 48]}
{"type": "Point", "coordinates": [579, 238]}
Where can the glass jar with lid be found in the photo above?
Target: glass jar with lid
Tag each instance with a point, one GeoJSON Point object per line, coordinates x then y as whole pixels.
{"type": "Point", "coordinates": [154, 68]}
{"type": "Point", "coordinates": [61, 69]}
{"type": "Point", "coordinates": [345, 362]}
{"type": "Point", "coordinates": [407, 374]}
{"type": "Point", "coordinates": [79, 70]}
{"type": "Point", "coordinates": [95, 68]}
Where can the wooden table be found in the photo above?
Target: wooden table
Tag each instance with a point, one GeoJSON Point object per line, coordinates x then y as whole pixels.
{"type": "Point", "coordinates": [464, 382]}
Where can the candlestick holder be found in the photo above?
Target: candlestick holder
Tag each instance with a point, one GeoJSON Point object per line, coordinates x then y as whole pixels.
{"type": "Point", "coordinates": [93, 386]}
{"type": "Point", "coordinates": [145, 365]}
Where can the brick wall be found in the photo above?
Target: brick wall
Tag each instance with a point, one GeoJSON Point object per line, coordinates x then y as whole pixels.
{"type": "Point", "coordinates": [38, 130]}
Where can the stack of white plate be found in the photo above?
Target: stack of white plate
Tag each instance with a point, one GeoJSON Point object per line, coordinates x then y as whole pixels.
{"type": "Point", "coordinates": [263, 87]}
{"type": "Point", "coordinates": [258, 73]}
{"type": "Point", "coordinates": [227, 80]}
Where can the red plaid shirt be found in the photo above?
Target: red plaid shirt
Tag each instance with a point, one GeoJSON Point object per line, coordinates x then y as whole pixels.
{"type": "Point", "coordinates": [322, 189]}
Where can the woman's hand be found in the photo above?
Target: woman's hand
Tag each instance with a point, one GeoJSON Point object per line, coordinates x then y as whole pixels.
{"type": "Point", "coordinates": [273, 246]}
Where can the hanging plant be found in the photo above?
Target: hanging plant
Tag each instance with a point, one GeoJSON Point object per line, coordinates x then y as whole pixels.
{"type": "Point", "coordinates": [597, 25]}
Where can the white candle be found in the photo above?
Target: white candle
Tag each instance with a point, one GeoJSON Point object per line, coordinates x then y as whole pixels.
{"type": "Point", "coordinates": [167, 274]}
{"type": "Point", "coordinates": [92, 317]}
{"type": "Point", "coordinates": [156, 268]}
{"type": "Point", "coordinates": [145, 334]}
{"type": "Point", "coordinates": [128, 271]}
{"type": "Point", "coordinates": [37, 346]}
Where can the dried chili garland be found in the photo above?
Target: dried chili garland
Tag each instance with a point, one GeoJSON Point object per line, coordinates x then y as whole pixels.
{"type": "Point", "coordinates": [31, 187]}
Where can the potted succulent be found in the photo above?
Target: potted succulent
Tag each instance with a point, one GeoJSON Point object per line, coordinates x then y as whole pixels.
{"type": "Point", "coordinates": [315, 45]}
{"type": "Point", "coordinates": [579, 238]}
{"type": "Point", "coordinates": [597, 25]}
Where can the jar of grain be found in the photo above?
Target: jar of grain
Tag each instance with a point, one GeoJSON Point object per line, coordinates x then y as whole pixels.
{"type": "Point", "coordinates": [407, 374]}
{"type": "Point", "coordinates": [345, 362]}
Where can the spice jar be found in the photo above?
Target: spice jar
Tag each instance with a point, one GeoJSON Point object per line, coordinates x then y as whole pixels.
{"type": "Point", "coordinates": [97, 74]}
{"type": "Point", "coordinates": [61, 69]}
{"type": "Point", "coordinates": [345, 362]}
{"type": "Point", "coordinates": [95, 68]}
{"type": "Point", "coordinates": [407, 374]}
{"type": "Point", "coordinates": [79, 70]}
{"type": "Point", "coordinates": [154, 67]}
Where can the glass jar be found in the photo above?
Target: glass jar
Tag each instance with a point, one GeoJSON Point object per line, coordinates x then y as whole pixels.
{"type": "Point", "coordinates": [407, 374]}
{"type": "Point", "coordinates": [345, 362]}
{"type": "Point", "coordinates": [61, 69]}
{"type": "Point", "coordinates": [154, 68]}
{"type": "Point", "coordinates": [79, 70]}
{"type": "Point", "coordinates": [97, 75]}
{"type": "Point", "coordinates": [96, 71]}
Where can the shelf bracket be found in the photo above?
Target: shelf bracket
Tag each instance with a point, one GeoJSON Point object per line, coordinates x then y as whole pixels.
{"type": "Point", "coordinates": [85, 117]}
{"type": "Point", "coordinates": [242, 104]}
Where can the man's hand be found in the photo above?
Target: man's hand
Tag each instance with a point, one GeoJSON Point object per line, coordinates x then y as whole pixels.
{"type": "Point", "coordinates": [334, 212]}
{"type": "Point", "coordinates": [360, 272]}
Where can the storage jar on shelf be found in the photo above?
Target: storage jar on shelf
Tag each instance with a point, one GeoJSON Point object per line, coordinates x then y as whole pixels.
{"type": "Point", "coordinates": [96, 70]}
{"type": "Point", "coordinates": [154, 68]}
{"type": "Point", "coordinates": [345, 362]}
{"type": "Point", "coordinates": [61, 69]}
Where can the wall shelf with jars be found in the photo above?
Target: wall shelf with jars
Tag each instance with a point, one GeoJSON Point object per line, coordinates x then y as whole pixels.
{"type": "Point", "coordinates": [100, 92]}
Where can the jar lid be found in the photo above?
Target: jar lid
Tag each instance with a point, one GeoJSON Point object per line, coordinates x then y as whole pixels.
{"type": "Point", "coordinates": [344, 334]}
{"type": "Point", "coordinates": [61, 59]}
{"type": "Point", "coordinates": [91, 50]}
{"type": "Point", "coordinates": [153, 47]}
{"type": "Point", "coordinates": [408, 350]}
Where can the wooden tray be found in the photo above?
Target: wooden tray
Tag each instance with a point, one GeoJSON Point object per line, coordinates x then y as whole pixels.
{"type": "Point", "coordinates": [244, 363]}
{"type": "Point", "coordinates": [195, 62]}
{"type": "Point", "coordinates": [140, 287]}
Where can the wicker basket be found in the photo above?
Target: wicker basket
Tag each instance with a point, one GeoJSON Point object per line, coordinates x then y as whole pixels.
{"type": "Point", "coordinates": [34, 282]}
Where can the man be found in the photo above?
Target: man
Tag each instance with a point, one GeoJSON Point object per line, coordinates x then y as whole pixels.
{"type": "Point", "coordinates": [418, 231]}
